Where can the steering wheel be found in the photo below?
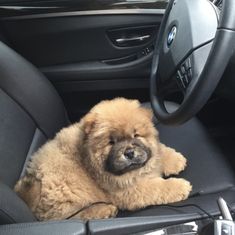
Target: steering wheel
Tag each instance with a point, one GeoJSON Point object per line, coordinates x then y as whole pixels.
{"type": "Point", "coordinates": [194, 46]}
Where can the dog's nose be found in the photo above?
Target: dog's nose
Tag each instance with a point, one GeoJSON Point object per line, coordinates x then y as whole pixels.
{"type": "Point", "coordinates": [129, 154]}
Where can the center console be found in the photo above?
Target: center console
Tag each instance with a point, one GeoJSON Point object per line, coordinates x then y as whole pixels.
{"type": "Point", "coordinates": [178, 224]}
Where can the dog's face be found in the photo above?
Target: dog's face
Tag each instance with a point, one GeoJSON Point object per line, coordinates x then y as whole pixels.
{"type": "Point", "coordinates": [120, 137]}
{"type": "Point", "coordinates": [126, 155]}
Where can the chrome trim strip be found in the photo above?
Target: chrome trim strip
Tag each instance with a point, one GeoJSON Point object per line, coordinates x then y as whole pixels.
{"type": "Point", "coordinates": [22, 8]}
{"type": "Point", "coordinates": [89, 13]}
{"type": "Point", "coordinates": [134, 2]}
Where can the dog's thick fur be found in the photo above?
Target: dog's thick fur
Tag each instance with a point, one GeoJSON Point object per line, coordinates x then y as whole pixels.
{"type": "Point", "coordinates": [71, 172]}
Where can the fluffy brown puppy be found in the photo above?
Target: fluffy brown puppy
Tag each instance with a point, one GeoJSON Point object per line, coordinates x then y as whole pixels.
{"type": "Point", "coordinates": [112, 155]}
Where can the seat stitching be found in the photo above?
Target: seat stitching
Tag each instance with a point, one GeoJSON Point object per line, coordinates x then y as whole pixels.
{"type": "Point", "coordinates": [7, 214]}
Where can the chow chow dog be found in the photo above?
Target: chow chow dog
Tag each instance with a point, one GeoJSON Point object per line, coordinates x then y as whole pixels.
{"type": "Point", "coordinates": [111, 160]}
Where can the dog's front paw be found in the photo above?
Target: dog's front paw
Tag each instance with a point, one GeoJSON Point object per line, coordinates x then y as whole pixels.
{"type": "Point", "coordinates": [99, 211]}
{"type": "Point", "coordinates": [106, 212]}
{"type": "Point", "coordinates": [181, 189]}
{"type": "Point", "coordinates": [177, 164]}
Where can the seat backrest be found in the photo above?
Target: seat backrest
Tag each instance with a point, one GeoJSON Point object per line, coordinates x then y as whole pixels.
{"type": "Point", "coordinates": [31, 112]}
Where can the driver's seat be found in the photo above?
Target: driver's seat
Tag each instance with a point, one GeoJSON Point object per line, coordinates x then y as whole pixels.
{"type": "Point", "coordinates": [31, 112]}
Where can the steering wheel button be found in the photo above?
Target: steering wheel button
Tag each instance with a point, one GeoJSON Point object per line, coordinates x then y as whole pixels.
{"type": "Point", "coordinates": [188, 64]}
{"type": "Point", "coordinates": [185, 79]}
{"type": "Point", "coordinates": [189, 74]}
{"type": "Point", "coordinates": [183, 71]}
{"type": "Point", "coordinates": [180, 79]}
{"type": "Point", "coordinates": [179, 74]}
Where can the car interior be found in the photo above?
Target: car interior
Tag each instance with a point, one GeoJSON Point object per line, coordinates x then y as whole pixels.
{"type": "Point", "coordinates": [58, 58]}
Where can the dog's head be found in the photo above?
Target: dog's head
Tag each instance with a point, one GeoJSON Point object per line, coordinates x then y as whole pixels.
{"type": "Point", "coordinates": [119, 137]}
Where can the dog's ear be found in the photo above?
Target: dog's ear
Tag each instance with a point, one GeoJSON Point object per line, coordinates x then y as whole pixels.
{"type": "Point", "coordinates": [89, 122]}
{"type": "Point", "coordinates": [135, 103]}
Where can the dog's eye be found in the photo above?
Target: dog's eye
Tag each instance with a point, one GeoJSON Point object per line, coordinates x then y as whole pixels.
{"type": "Point", "coordinates": [112, 142]}
{"type": "Point", "coordinates": [136, 135]}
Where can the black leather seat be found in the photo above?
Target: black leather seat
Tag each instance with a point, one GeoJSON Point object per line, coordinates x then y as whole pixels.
{"type": "Point", "coordinates": [32, 112]}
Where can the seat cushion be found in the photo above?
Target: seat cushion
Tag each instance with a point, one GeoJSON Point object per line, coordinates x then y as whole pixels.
{"type": "Point", "coordinates": [12, 208]}
{"type": "Point", "coordinates": [207, 169]}
{"type": "Point", "coordinates": [31, 112]}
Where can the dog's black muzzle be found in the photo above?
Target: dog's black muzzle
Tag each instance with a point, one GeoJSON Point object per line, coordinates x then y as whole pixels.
{"type": "Point", "coordinates": [126, 156]}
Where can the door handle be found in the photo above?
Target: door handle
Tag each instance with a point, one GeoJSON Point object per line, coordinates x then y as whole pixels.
{"type": "Point", "coordinates": [132, 39]}
{"type": "Point", "coordinates": [132, 36]}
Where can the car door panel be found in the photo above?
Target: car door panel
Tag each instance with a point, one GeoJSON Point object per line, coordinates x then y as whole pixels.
{"type": "Point", "coordinates": [65, 40]}
{"type": "Point", "coordinates": [105, 46]}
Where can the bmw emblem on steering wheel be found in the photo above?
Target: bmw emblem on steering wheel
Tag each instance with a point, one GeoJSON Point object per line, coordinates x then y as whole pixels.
{"type": "Point", "coordinates": [171, 36]}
